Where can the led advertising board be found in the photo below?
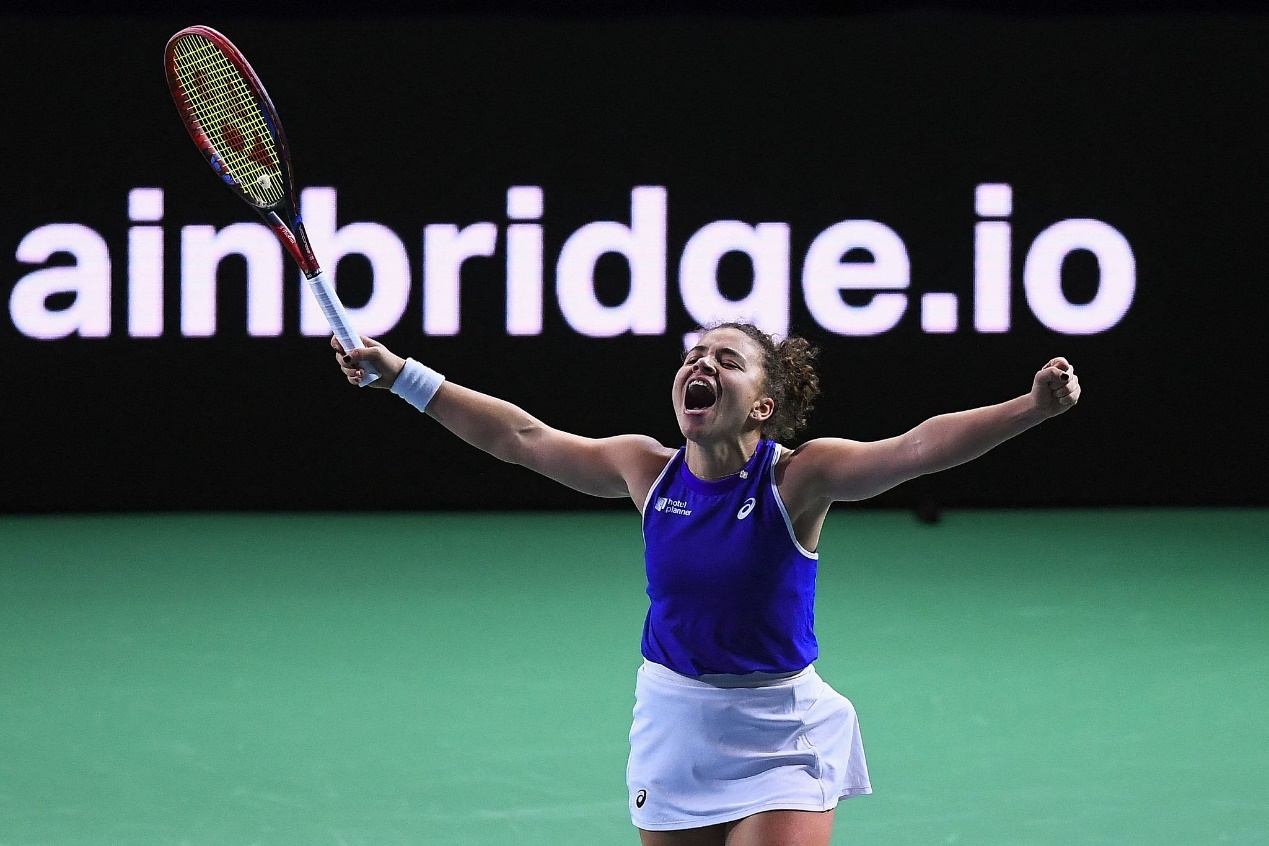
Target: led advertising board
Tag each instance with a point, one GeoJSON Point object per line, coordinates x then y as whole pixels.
{"type": "Point", "coordinates": [544, 210]}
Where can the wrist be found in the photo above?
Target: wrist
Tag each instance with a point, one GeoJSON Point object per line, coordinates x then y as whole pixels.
{"type": "Point", "coordinates": [1033, 412]}
{"type": "Point", "coordinates": [390, 371]}
{"type": "Point", "coordinates": [416, 384]}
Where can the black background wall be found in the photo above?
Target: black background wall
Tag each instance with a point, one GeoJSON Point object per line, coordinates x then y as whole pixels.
{"type": "Point", "coordinates": [1150, 121]}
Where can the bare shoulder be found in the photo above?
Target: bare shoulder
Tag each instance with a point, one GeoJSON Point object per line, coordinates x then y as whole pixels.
{"type": "Point", "coordinates": [639, 449]}
{"type": "Point", "coordinates": [812, 457]}
{"type": "Point", "coordinates": [640, 459]}
{"type": "Point", "coordinates": [801, 466]}
{"type": "Point", "coordinates": [810, 476]}
{"type": "Point", "coordinates": [799, 478]}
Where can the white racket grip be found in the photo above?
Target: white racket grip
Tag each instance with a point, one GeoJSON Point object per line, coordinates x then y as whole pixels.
{"type": "Point", "coordinates": [339, 322]}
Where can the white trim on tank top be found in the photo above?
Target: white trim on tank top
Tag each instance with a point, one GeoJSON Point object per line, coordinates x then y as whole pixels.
{"type": "Point", "coordinates": [660, 476]}
{"type": "Point", "coordinates": [788, 524]}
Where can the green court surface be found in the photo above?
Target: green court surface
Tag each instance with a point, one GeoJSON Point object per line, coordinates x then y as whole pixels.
{"type": "Point", "coordinates": [1031, 678]}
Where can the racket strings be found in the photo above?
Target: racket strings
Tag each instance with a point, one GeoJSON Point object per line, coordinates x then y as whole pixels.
{"type": "Point", "coordinates": [228, 113]}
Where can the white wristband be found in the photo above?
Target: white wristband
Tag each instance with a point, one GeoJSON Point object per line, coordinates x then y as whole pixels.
{"type": "Point", "coordinates": [417, 384]}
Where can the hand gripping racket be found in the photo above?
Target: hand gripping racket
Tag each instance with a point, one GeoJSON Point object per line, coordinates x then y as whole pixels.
{"type": "Point", "coordinates": [232, 121]}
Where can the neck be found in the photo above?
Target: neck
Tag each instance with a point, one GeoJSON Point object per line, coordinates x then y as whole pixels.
{"type": "Point", "coordinates": [714, 460]}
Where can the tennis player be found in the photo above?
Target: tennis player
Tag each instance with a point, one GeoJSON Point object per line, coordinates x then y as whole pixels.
{"type": "Point", "coordinates": [736, 740]}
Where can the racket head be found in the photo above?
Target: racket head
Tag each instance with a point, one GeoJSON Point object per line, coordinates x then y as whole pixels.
{"type": "Point", "coordinates": [231, 118]}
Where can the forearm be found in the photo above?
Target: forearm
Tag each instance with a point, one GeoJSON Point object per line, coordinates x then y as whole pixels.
{"type": "Point", "coordinates": [951, 439]}
{"type": "Point", "coordinates": [487, 423]}
{"type": "Point", "coordinates": [509, 433]}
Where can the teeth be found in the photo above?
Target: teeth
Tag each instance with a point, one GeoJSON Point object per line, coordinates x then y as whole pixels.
{"type": "Point", "coordinates": [703, 397]}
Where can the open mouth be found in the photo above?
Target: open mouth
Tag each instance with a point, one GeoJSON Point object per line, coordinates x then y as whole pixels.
{"type": "Point", "coordinates": [699, 395]}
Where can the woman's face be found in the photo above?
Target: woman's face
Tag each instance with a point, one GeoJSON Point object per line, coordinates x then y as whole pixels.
{"type": "Point", "coordinates": [718, 389]}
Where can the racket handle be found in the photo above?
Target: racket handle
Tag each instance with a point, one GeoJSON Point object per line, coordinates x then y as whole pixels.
{"type": "Point", "coordinates": [339, 322]}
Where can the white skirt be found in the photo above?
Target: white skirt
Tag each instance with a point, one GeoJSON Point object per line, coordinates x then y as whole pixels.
{"type": "Point", "coordinates": [703, 753]}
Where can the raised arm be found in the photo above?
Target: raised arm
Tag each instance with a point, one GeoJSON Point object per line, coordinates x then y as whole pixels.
{"type": "Point", "coordinates": [624, 465]}
{"type": "Point", "coordinates": [831, 469]}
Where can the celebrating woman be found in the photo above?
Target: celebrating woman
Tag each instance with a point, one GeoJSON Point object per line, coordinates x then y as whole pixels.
{"type": "Point", "coordinates": [736, 740]}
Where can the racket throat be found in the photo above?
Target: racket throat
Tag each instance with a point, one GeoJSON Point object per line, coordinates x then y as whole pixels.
{"type": "Point", "coordinates": [296, 242]}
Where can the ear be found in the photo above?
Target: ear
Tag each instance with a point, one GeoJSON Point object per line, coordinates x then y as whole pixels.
{"type": "Point", "coordinates": [762, 409]}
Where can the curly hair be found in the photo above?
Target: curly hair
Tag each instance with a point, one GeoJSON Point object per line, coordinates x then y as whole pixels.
{"type": "Point", "coordinates": [790, 378]}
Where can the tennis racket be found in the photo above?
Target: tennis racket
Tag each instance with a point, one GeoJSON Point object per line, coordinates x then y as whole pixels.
{"type": "Point", "coordinates": [233, 123]}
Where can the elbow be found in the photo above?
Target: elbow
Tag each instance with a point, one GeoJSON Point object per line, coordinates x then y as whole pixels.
{"type": "Point", "coordinates": [922, 456]}
{"type": "Point", "coordinates": [916, 455]}
{"type": "Point", "coordinates": [514, 446]}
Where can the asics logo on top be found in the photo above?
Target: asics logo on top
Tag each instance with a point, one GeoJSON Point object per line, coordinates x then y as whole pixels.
{"type": "Point", "coordinates": [745, 509]}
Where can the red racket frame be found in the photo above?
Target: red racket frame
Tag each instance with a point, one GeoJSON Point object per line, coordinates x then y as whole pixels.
{"type": "Point", "coordinates": [289, 229]}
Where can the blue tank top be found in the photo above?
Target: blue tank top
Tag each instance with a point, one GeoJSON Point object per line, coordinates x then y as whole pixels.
{"type": "Point", "coordinates": [731, 589]}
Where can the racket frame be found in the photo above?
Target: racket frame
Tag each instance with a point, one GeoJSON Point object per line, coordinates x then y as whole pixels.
{"type": "Point", "coordinates": [282, 216]}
